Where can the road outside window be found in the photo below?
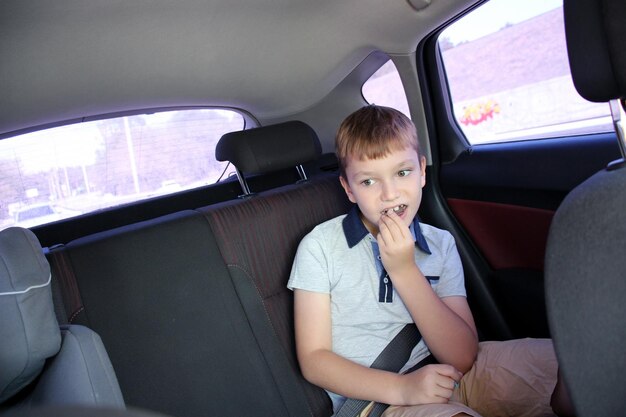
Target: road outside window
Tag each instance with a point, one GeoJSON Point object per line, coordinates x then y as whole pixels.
{"type": "Point", "coordinates": [67, 171]}
{"type": "Point", "coordinates": [509, 78]}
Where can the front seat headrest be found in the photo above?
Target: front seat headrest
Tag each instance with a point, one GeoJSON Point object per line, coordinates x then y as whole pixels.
{"type": "Point", "coordinates": [29, 330]}
{"type": "Point", "coordinates": [595, 31]}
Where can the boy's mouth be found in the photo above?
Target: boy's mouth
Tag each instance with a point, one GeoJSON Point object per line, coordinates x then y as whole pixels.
{"type": "Point", "coordinates": [399, 209]}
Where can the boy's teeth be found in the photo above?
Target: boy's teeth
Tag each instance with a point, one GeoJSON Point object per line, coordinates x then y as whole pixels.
{"type": "Point", "coordinates": [396, 208]}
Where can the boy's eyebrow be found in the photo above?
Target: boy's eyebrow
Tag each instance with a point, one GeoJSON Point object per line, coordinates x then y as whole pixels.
{"type": "Point", "coordinates": [397, 166]}
{"type": "Point", "coordinates": [406, 162]}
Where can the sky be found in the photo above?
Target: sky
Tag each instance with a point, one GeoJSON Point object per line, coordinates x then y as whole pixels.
{"type": "Point", "coordinates": [493, 15]}
{"type": "Point", "coordinates": [66, 146]}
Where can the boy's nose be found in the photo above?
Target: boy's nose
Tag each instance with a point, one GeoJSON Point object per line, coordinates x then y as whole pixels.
{"type": "Point", "coordinates": [389, 191]}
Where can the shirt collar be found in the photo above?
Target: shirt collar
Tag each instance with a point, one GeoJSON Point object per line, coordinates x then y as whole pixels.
{"type": "Point", "coordinates": [355, 230]}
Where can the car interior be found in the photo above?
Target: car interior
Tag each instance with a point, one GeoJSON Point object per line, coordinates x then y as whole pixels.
{"type": "Point", "coordinates": [175, 302]}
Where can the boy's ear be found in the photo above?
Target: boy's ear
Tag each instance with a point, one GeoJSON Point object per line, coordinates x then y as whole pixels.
{"type": "Point", "coordinates": [423, 169]}
{"type": "Point", "coordinates": [346, 188]}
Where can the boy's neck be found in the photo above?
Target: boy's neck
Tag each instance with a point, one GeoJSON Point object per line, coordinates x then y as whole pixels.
{"type": "Point", "coordinates": [373, 229]}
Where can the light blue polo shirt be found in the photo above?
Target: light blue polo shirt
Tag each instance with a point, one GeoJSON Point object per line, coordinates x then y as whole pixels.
{"type": "Point", "coordinates": [340, 257]}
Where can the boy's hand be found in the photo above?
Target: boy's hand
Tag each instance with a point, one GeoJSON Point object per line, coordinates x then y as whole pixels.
{"type": "Point", "coordinates": [430, 384]}
{"type": "Point", "coordinates": [395, 243]}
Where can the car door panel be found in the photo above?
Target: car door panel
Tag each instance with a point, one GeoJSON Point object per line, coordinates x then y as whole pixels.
{"type": "Point", "coordinates": [503, 197]}
{"type": "Point", "coordinates": [491, 226]}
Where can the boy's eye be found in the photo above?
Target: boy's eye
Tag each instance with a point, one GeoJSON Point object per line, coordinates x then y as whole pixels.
{"type": "Point", "coordinates": [367, 182]}
{"type": "Point", "coordinates": [404, 172]}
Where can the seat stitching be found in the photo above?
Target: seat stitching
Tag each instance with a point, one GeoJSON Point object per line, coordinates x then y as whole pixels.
{"type": "Point", "coordinates": [247, 273]}
{"type": "Point", "coordinates": [76, 313]}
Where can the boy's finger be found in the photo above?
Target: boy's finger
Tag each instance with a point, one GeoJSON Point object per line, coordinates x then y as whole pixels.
{"type": "Point", "coordinates": [440, 396]}
{"type": "Point", "coordinates": [390, 237]}
{"type": "Point", "coordinates": [391, 219]}
{"type": "Point", "coordinates": [392, 224]}
{"type": "Point", "coordinates": [449, 371]}
{"type": "Point", "coordinates": [448, 383]}
{"type": "Point", "coordinates": [384, 235]}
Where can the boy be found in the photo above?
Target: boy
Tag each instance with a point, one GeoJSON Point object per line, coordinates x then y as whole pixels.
{"type": "Point", "coordinates": [360, 278]}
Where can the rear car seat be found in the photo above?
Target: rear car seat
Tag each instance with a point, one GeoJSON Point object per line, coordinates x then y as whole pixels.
{"type": "Point", "coordinates": [258, 239]}
{"type": "Point", "coordinates": [258, 236]}
{"type": "Point", "coordinates": [193, 306]}
{"type": "Point", "coordinates": [159, 294]}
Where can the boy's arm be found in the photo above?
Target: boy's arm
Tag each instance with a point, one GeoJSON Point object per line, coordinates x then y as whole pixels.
{"type": "Point", "coordinates": [322, 367]}
{"type": "Point", "coordinates": [446, 324]}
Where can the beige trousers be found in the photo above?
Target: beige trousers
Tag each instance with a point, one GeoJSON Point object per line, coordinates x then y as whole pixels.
{"type": "Point", "coordinates": [513, 378]}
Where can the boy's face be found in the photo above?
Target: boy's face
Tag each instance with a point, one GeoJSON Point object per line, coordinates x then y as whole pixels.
{"type": "Point", "coordinates": [393, 182]}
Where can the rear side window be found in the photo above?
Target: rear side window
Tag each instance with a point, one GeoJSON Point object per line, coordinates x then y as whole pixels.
{"type": "Point", "coordinates": [509, 78]}
{"type": "Point", "coordinates": [66, 171]}
{"type": "Point", "coordinates": [385, 88]}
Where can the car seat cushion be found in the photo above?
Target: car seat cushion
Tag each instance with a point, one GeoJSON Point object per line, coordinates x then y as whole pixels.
{"type": "Point", "coordinates": [81, 373]}
{"type": "Point", "coordinates": [29, 329]}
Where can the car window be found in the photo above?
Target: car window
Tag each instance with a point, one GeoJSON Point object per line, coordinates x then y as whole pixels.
{"type": "Point", "coordinates": [508, 74]}
{"type": "Point", "coordinates": [385, 88]}
{"type": "Point", "coordinates": [70, 170]}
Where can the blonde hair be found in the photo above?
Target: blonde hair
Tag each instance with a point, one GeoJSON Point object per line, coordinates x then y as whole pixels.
{"type": "Point", "coordinates": [372, 132]}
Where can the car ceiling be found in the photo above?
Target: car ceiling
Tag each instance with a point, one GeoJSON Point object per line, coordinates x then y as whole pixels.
{"type": "Point", "coordinates": [66, 60]}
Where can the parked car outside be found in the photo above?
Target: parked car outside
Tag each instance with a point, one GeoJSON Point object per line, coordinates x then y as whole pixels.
{"type": "Point", "coordinates": [41, 213]}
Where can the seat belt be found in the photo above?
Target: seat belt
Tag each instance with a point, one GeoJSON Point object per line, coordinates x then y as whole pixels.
{"type": "Point", "coordinates": [392, 359]}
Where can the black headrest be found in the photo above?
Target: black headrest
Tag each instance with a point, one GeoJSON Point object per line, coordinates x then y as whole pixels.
{"type": "Point", "coordinates": [29, 331]}
{"type": "Point", "coordinates": [595, 31]}
{"type": "Point", "coordinates": [269, 148]}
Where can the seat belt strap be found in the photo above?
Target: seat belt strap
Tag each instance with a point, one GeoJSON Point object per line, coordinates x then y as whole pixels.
{"type": "Point", "coordinates": [392, 359]}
